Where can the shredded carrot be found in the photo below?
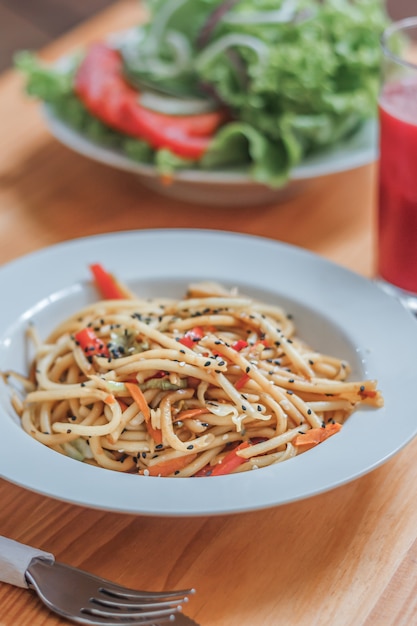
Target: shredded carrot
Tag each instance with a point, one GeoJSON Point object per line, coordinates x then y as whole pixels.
{"type": "Point", "coordinates": [155, 433]}
{"type": "Point", "coordinates": [110, 399]}
{"type": "Point", "coordinates": [314, 436]}
{"type": "Point", "coordinates": [166, 468]}
{"type": "Point", "coordinates": [190, 413]}
{"type": "Point", "coordinates": [137, 394]}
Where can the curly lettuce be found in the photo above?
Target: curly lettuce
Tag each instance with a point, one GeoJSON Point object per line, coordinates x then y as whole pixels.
{"type": "Point", "coordinates": [297, 77]}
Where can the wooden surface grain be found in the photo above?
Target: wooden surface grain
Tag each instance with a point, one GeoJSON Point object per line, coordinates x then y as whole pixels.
{"type": "Point", "coordinates": [343, 558]}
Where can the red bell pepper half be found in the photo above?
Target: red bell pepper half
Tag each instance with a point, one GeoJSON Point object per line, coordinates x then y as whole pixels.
{"type": "Point", "coordinates": [99, 83]}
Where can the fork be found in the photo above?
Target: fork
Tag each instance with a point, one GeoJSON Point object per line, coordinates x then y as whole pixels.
{"type": "Point", "coordinates": [85, 598]}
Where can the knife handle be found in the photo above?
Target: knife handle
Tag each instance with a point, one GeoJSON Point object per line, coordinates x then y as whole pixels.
{"type": "Point", "coordinates": [15, 558]}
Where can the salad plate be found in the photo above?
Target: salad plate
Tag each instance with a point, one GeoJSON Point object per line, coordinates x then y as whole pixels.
{"type": "Point", "coordinates": [334, 310]}
{"type": "Point", "coordinates": [224, 188]}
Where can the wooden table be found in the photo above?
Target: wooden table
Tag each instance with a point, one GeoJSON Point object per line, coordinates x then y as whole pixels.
{"type": "Point", "coordinates": [344, 558]}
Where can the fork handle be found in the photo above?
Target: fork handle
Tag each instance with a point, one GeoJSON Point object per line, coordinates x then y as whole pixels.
{"type": "Point", "coordinates": [15, 558]}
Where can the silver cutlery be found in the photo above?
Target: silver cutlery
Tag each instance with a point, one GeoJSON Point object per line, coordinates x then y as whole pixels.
{"type": "Point", "coordinates": [85, 598]}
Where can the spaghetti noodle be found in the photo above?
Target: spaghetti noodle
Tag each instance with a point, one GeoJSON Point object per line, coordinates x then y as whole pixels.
{"type": "Point", "coordinates": [211, 384]}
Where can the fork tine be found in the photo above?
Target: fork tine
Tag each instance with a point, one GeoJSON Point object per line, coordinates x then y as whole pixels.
{"type": "Point", "coordinates": [128, 616]}
{"type": "Point", "coordinates": [117, 591]}
{"type": "Point", "coordinates": [95, 620]}
{"type": "Point", "coordinates": [134, 605]}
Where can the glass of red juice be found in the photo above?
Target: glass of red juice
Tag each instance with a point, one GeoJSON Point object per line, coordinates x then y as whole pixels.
{"type": "Point", "coordinates": [397, 173]}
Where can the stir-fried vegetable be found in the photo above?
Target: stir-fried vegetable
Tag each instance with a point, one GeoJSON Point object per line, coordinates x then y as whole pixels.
{"type": "Point", "coordinates": [231, 461]}
{"type": "Point", "coordinates": [90, 343]}
{"type": "Point", "coordinates": [315, 436]}
{"type": "Point", "coordinates": [107, 284]}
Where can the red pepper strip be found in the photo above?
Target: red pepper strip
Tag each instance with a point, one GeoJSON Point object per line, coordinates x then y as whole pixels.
{"type": "Point", "coordinates": [122, 404]}
{"type": "Point", "coordinates": [100, 85]}
{"type": "Point", "coordinates": [90, 343]}
{"type": "Point", "coordinates": [231, 461]}
{"type": "Point", "coordinates": [204, 471]}
{"type": "Point", "coordinates": [107, 283]}
{"type": "Point", "coordinates": [192, 336]}
{"type": "Point", "coordinates": [368, 393]}
{"type": "Point", "coordinates": [159, 374]}
{"type": "Point", "coordinates": [241, 382]}
{"type": "Point", "coordinates": [239, 345]}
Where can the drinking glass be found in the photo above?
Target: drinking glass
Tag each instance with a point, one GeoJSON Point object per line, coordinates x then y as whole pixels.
{"type": "Point", "coordinates": [397, 176]}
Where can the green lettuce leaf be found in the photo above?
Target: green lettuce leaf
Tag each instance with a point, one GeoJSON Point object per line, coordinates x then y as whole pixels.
{"type": "Point", "coordinates": [297, 76]}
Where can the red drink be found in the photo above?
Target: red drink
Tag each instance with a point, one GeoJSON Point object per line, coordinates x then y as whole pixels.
{"type": "Point", "coordinates": [397, 244]}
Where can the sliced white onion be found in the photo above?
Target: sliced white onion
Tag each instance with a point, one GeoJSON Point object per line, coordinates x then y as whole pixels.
{"type": "Point", "coordinates": [229, 41]}
{"type": "Point", "coordinates": [175, 106]}
{"type": "Point", "coordinates": [159, 22]}
{"type": "Point", "coordinates": [141, 60]}
{"type": "Point", "coordinates": [285, 14]}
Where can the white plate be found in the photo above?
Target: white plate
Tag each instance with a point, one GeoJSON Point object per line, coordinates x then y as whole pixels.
{"type": "Point", "coordinates": [334, 309]}
{"type": "Point", "coordinates": [225, 189]}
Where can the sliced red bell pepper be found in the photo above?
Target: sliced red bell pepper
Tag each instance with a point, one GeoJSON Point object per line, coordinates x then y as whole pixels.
{"type": "Point", "coordinates": [231, 461]}
{"type": "Point", "coordinates": [239, 345]}
{"type": "Point", "coordinates": [241, 382]}
{"type": "Point", "coordinates": [99, 83]}
{"type": "Point", "coordinates": [90, 343]}
{"type": "Point", "coordinates": [192, 336]}
{"type": "Point", "coordinates": [106, 283]}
